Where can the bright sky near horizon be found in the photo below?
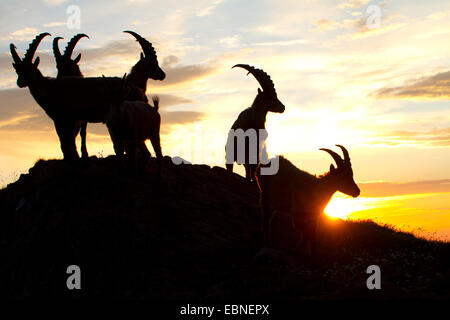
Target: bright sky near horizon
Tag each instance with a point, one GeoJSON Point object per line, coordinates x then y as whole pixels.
{"type": "Point", "coordinates": [381, 91]}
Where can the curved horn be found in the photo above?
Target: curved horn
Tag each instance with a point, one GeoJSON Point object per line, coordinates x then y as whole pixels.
{"type": "Point", "coordinates": [337, 158]}
{"type": "Point", "coordinates": [259, 74]}
{"type": "Point", "coordinates": [33, 46]}
{"type": "Point", "coordinates": [72, 43]}
{"type": "Point", "coordinates": [56, 51]}
{"type": "Point", "coordinates": [147, 47]}
{"type": "Point", "coordinates": [345, 152]}
{"type": "Point", "coordinates": [14, 54]}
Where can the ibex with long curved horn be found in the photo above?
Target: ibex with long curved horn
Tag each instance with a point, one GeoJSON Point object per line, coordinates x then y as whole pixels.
{"type": "Point", "coordinates": [146, 68]}
{"type": "Point", "coordinates": [67, 100]}
{"type": "Point", "coordinates": [68, 67]}
{"type": "Point", "coordinates": [254, 118]}
{"type": "Point", "coordinates": [304, 196]}
{"type": "Point", "coordinates": [30, 76]}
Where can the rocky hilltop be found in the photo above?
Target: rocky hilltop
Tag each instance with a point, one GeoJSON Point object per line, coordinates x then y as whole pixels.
{"type": "Point", "coordinates": [192, 237]}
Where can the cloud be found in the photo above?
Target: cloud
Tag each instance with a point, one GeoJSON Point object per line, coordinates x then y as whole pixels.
{"type": "Point", "coordinates": [386, 189]}
{"type": "Point", "coordinates": [140, 23]}
{"type": "Point", "coordinates": [438, 15]}
{"type": "Point", "coordinates": [282, 43]}
{"type": "Point", "coordinates": [180, 117]}
{"type": "Point", "coordinates": [177, 73]}
{"type": "Point", "coordinates": [230, 42]}
{"type": "Point", "coordinates": [54, 24]}
{"type": "Point", "coordinates": [124, 48]}
{"type": "Point", "coordinates": [168, 119]}
{"type": "Point", "coordinates": [326, 25]}
{"type": "Point", "coordinates": [208, 10]}
{"type": "Point", "coordinates": [435, 137]}
{"type": "Point", "coordinates": [54, 2]}
{"type": "Point", "coordinates": [361, 26]}
{"type": "Point", "coordinates": [19, 111]}
{"type": "Point", "coordinates": [97, 61]}
{"type": "Point", "coordinates": [435, 87]}
{"type": "Point", "coordinates": [23, 34]}
{"type": "Point", "coordinates": [353, 3]}
{"type": "Point", "coordinates": [168, 100]}
{"type": "Point", "coordinates": [182, 74]}
{"type": "Point", "coordinates": [363, 29]}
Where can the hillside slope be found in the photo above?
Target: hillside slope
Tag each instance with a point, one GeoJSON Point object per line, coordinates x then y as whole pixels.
{"type": "Point", "coordinates": [193, 238]}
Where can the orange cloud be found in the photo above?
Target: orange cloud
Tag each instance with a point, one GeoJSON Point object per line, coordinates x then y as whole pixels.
{"type": "Point", "coordinates": [435, 137]}
{"type": "Point", "coordinates": [325, 24]}
{"type": "Point", "coordinates": [435, 87]}
{"type": "Point", "coordinates": [387, 189]}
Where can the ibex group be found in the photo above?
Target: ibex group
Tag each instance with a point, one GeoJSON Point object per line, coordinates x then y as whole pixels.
{"type": "Point", "coordinates": [72, 101]}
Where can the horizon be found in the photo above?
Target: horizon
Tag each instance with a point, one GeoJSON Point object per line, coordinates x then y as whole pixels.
{"type": "Point", "coordinates": [381, 91]}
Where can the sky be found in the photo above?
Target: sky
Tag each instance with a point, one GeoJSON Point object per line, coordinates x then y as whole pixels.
{"type": "Point", "coordinates": [380, 87]}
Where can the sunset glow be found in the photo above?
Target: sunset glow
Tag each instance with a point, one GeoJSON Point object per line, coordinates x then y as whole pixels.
{"type": "Point", "coordinates": [381, 92]}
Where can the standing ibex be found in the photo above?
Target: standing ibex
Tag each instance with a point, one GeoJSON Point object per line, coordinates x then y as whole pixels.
{"type": "Point", "coordinates": [68, 100]}
{"type": "Point", "coordinates": [39, 86]}
{"type": "Point", "coordinates": [146, 68]}
{"type": "Point", "coordinates": [253, 118]}
{"type": "Point", "coordinates": [131, 123]}
{"type": "Point", "coordinates": [302, 195]}
{"type": "Point", "coordinates": [68, 67]}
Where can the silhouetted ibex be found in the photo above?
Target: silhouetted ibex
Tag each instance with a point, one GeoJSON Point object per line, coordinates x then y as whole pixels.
{"type": "Point", "coordinates": [40, 88]}
{"type": "Point", "coordinates": [71, 99]}
{"type": "Point", "coordinates": [254, 118]}
{"type": "Point", "coordinates": [131, 123]}
{"type": "Point", "coordinates": [146, 68]}
{"type": "Point", "coordinates": [68, 67]}
{"type": "Point", "coordinates": [302, 195]}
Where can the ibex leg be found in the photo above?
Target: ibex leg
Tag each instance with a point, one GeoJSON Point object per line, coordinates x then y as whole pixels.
{"type": "Point", "coordinates": [156, 143]}
{"type": "Point", "coordinates": [144, 156]}
{"type": "Point", "coordinates": [66, 131]}
{"type": "Point", "coordinates": [117, 141]}
{"type": "Point", "coordinates": [84, 153]}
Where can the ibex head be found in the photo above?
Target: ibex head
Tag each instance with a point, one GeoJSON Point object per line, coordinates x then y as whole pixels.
{"type": "Point", "coordinates": [25, 68]}
{"type": "Point", "coordinates": [343, 173]}
{"type": "Point", "coordinates": [268, 95]}
{"type": "Point", "coordinates": [64, 63]}
{"type": "Point", "coordinates": [149, 57]}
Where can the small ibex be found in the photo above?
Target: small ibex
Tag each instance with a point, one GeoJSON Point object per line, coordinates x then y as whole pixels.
{"type": "Point", "coordinates": [131, 123]}
{"type": "Point", "coordinates": [303, 196]}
